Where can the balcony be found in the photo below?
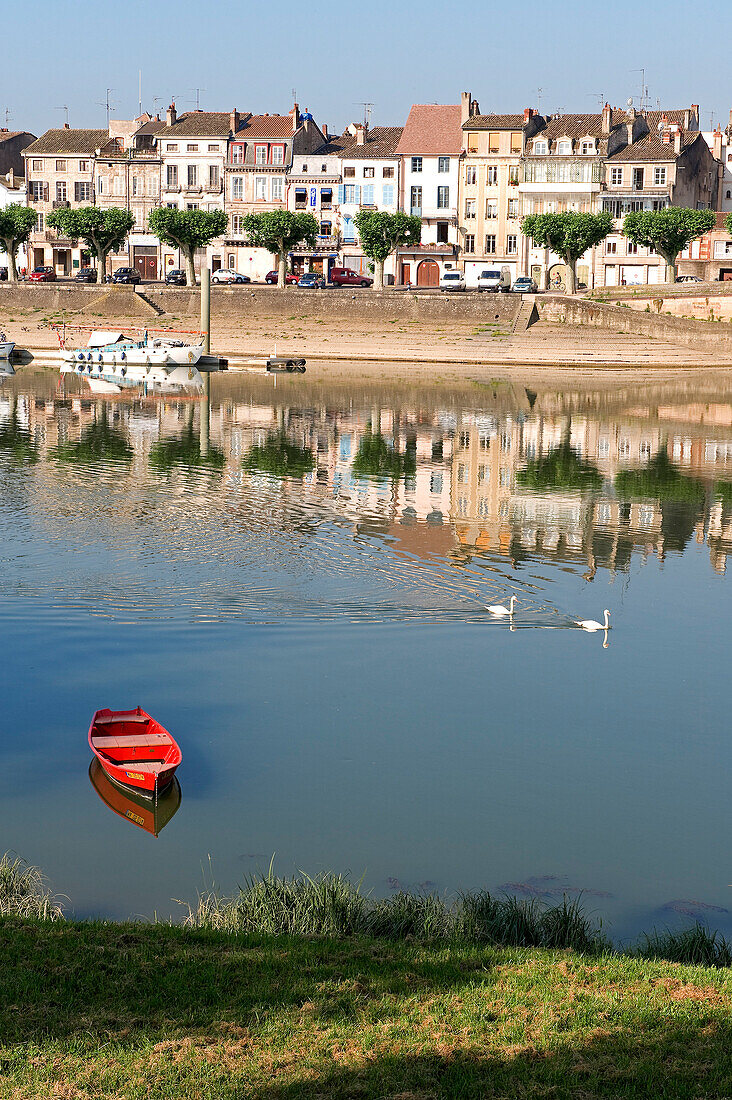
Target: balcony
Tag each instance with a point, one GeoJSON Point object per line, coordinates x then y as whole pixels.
{"type": "Point", "coordinates": [172, 188]}
{"type": "Point", "coordinates": [326, 206]}
{"type": "Point", "coordinates": [214, 188]}
{"type": "Point", "coordinates": [61, 204]}
{"type": "Point", "coordinates": [301, 204]}
{"type": "Point", "coordinates": [194, 189]}
{"type": "Point", "coordinates": [577, 174]}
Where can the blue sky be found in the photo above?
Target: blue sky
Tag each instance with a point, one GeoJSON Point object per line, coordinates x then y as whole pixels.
{"type": "Point", "coordinates": [252, 55]}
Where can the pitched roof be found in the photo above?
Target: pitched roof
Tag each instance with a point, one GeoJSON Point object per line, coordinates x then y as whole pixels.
{"type": "Point", "coordinates": [381, 141]}
{"type": "Point", "coordinates": [651, 147]}
{"type": "Point", "coordinates": [154, 126]}
{"type": "Point", "coordinates": [432, 128]}
{"type": "Point", "coordinates": [68, 141]}
{"type": "Point", "coordinates": [494, 122]}
{"type": "Point", "coordinates": [6, 135]}
{"type": "Point", "coordinates": [267, 126]}
{"type": "Point", "coordinates": [200, 124]}
{"type": "Point", "coordinates": [576, 126]}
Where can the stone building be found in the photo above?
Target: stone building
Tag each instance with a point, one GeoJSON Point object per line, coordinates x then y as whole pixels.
{"type": "Point", "coordinates": [13, 143]}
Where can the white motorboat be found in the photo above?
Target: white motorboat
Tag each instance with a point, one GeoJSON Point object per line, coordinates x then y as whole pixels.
{"type": "Point", "coordinates": [6, 347]}
{"type": "Point", "coordinates": [114, 349]}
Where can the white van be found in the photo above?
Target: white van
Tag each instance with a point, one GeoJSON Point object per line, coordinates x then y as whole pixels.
{"type": "Point", "coordinates": [495, 279]}
{"type": "Point", "coordinates": [452, 280]}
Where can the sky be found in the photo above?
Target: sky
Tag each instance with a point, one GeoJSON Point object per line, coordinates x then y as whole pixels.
{"type": "Point", "coordinates": [337, 57]}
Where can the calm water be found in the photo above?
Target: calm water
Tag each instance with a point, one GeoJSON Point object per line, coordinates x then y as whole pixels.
{"type": "Point", "coordinates": [303, 605]}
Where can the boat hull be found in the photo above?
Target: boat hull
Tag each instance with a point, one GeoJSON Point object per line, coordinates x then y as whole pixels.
{"type": "Point", "coordinates": [6, 349]}
{"type": "Point", "coordinates": [134, 750]}
{"type": "Point", "coordinates": [134, 806]}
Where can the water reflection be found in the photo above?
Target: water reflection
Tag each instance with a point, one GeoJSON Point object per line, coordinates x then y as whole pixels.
{"type": "Point", "coordinates": [149, 814]}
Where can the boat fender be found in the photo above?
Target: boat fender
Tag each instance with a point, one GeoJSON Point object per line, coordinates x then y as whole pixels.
{"type": "Point", "coordinates": [80, 367]}
{"type": "Point", "coordinates": [80, 355]}
{"type": "Point", "coordinates": [99, 358]}
{"type": "Point", "coordinates": [89, 357]}
{"type": "Point", "coordinates": [123, 372]}
{"type": "Point", "coordinates": [123, 355]}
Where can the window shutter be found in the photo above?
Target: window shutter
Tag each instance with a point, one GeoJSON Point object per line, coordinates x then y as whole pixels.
{"type": "Point", "coordinates": [388, 194]}
{"type": "Point", "coordinates": [357, 194]}
{"type": "Point", "coordinates": [368, 194]}
{"type": "Point", "coordinates": [340, 193]}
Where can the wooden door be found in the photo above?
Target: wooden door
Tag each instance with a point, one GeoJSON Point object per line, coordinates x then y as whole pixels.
{"type": "Point", "coordinates": [406, 274]}
{"type": "Point", "coordinates": [428, 273]}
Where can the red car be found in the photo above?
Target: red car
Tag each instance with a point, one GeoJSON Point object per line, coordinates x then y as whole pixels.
{"type": "Point", "coordinates": [42, 275]}
{"type": "Point", "coordinates": [272, 276]}
{"type": "Point", "coordinates": [345, 276]}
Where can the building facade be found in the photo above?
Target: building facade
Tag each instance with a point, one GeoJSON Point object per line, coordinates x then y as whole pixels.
{"type": "Point", "coordinates": [370, 172]}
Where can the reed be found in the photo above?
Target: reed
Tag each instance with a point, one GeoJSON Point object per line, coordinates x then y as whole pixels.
{"type": "Point", "coordinates": [23, 891]}
{"type": "Point", "coordinates": [696, 946]}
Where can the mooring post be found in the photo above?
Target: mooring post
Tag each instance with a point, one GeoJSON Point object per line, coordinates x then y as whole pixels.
{"type": "Point", "coordinates": [206, 334]}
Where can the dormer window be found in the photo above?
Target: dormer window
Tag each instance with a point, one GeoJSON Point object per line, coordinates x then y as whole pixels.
{"type": "Point", "coordinates": [564, 148]}
{"type": "Point", "coordinates": [588, 147]}
{"type": "Point", "coordinates": [541, 148]}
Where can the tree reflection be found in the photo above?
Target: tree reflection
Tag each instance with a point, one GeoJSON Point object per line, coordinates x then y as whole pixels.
{"type": "Point", "coordinates": [560, 468]}
{"type": "Point", "coordinates": [659, 480]}
{"type": "Point", "coordinates": [99, 441]}
{"type": "Point", "coordinates": [185, 450]}
{"type": "Point", "coordinates": [377, 458]}
{"type": "Point", "coordinates": [15, 439]}
{"type": "Point", "coordinates": [280, 457]}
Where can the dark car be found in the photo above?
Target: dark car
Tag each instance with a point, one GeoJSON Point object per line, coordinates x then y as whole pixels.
{"type": "Point", "coordinates": [126, 275]}
{"type": "Point", "coordinates": [3, 274]}
{"type": "Point", "coordinates": [176, 277]}
{"type": "Point", "coordinates": [311, 280]}
{"type": "Point", "coordinates": [43, 274]}
{"type": "Point", "coordinates": [272, 276]}
{"type": "Point", "coordinates": [524, 285]}
{"type": "Point", "coordinates": [86, 275]}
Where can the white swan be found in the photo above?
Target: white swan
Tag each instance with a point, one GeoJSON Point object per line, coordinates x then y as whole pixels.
{"type": "Point", "coordinates": [592, 624]}
{"type": "Point", "coordinates": [501, 609]}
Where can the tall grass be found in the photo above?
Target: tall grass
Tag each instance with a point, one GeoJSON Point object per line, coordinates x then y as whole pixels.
{"type": "Point", "coordinates": [23, 891]}
{"type": "Point", "coordinates": [695, 946]}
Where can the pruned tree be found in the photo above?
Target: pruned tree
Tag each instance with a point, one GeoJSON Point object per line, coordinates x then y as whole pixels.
{"type": "Point", "coordinates": [381, 234]}
{"type": "Point", "coordinates": [568, 235]}
{"type": "Point", "coordinates": [102, 231]}
{"type": "Point", "coordinates": [16, 226]}
{"type": "Point", "coordinates": [278, 231]}
{"type": "Point", "coordinates": [668, 231]}
{"type": "Point", "coordinates": [187, 230]}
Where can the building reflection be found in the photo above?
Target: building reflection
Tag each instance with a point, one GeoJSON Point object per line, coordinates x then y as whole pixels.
{"type": "Point", "coordinates": [442, 475]}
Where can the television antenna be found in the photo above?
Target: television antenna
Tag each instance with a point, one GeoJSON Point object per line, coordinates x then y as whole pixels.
{"type": "Point", "coordinates": [599, 96]}
{"type": "Point", "coordinates": [198, 96]}
{"type": "Point", "coordinates": [367, 107]}
{"type": "Point", "coordinates": [539, 94]}
{"type": "Point", "coordinates": [108, 104]}
{"type": "Point", "coordinates": [8, 117]}
{"type": "Point", "coordinates": [156, 99]}
{"type": "Point", "coordinates": [64, 108]}
{"type": "Point", "coordinates": [644, 90]}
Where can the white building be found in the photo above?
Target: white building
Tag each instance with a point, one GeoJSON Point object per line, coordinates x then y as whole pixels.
{"type": "Point", "coordinates": [370, 173]}
{"type": "Point", "coordinates": [12, 191]}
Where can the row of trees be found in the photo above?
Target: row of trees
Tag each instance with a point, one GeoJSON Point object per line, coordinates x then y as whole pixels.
{"type": "Point", "coordinates": [568, 235]}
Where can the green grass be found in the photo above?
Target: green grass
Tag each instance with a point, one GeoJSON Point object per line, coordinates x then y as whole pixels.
{"type": "Point", "coordinates": [126, 1012]}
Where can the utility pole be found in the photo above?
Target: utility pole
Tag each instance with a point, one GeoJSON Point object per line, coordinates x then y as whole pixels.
{"type": "Point", "coordinates": [139, 89]}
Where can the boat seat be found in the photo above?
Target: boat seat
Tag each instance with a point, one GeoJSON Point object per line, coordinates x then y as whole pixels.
{"type": "Point", "coordinates": [130, 740]}
{"type": "Point", "coordinates": [140, 766]}
{"type": "Point", "coordinates": [106, 720]}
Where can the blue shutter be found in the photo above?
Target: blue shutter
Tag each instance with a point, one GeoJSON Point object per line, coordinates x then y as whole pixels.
{"type": "Point", "coordinates": [388, 194]}
{"type": "Point", "coordinates": [340, 193]}
{"type": "Point", "coordinates": [368, 194]}
{"type": "Point", "coordinates": [357, 194]}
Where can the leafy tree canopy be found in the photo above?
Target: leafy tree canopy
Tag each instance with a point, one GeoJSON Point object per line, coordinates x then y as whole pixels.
{"type": "Point", "coordinates": [568, 235]}
{"type": "Point", "coordinates": [278, 231]}
{"type": "Point", "coordinates": [101, 230]}
{"type": "Point", "coordinates": [185, 450]}
{"type": "Point", "coordinates": [16, 225]}
{"type": "Point", "coordinates": [280, 457]}
{"type": "Point", "coordinates": [100, 441]}
{"type": "Point", "coordinates": [381, 233]}
{"type": "Point", "coordinates": [668, 230]}
{"type": "Point", "coordinates": [659, 480]}
{"type": "Point", "coordinates": [187, 230]}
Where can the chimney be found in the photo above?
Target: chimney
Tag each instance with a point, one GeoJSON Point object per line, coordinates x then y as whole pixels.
{"type": "Point", "coordinates": [66, 126]}
{"type": "Point", "coordinates": [170, 115]}
{"type": "Point", "coordinates": [694, 116]}
{"type": "Point", "coordinates": [234, 121]}
{"type": "Point", "coordinates": [324, 130]}
{"type": "Point", "coordinates": [466, 101]}
{"type": "Point", "coordinates": [529, 113]}
{"type": "Point", "coordinates": [717, 144]}
{"type": "Point", "coordinates": [607, 116]}
{"type": "Point", "coordinates": [295, 116]}
{"type": "Point", "coordinates": [360, 134]}
{"type": "Point", "coordinates": [677, 141]}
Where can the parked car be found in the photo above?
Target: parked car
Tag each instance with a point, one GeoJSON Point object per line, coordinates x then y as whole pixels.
{"type": "Point", "coordinates": [126, 275]}
{"type": "Point", "coordinates": [272, 276]}
{"type": "Point", "coordinates": [3, 274]}
{"type": "Point", "coordinates": [494, 279]}
{"type": "Point", "coordinates": [688, 279]}
{"type": "Point", "coordinates": [345, 276]}
{"type": "Point", "coordinates": [524, 285]}
{"type": "Point", "coordinates": [311, 280]}
{"type": "Point", "coordinates": [225, 275]}
{"type": "Point", "coordinates": [452, 280]}
{"type": "Point", "coordinates": [86, 275]}
{"type": "Point", "coordinates": [175, 277]}
{"type": "Point", "coordinates": [43, 274]}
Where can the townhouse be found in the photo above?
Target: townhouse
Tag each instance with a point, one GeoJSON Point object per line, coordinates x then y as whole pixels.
{"type": "Point", "coordinates": [13, 144]}
{"type": "Point", "coordinates": [12, 193]}
{"type": "Point", "coordinates": [260, 153]}
{"type": "Point", "coordinates": [370, 171]}
{"type": "Point", "coordinates": [429, 151]}
{"type": "Point", "coordinates": [314, 181]}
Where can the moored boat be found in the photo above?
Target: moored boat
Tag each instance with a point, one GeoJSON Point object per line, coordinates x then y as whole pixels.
{"type": "Point", "coordinates": [133, 806]}
{"type": "Point", "coordinates": [7, 346]}
{"type": "Point", "coordinates": [134, 749]}
{"type": "Point", "coordinates": [113, 349]}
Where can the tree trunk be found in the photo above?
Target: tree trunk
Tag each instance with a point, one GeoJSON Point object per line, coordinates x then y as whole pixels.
{"type": "Point", "coordinates": [281, 269]}
{"type": "Point", "coordinates": [12, 269]}
{"type": "Point", "coordinates": [190, 267]}
{"type": "Point", "coordinates": [570, 278]}
{"type": "Point", "coordinates": [671, 268]}
{"type": "Point", "coordinates": [378, 275]}
{"type": "Point", "coordinates": [101, 264]}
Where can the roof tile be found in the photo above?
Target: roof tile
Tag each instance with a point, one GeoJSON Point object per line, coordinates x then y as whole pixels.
{"type": "Point", "coordinates": [432, 129]}
{"type": "Point", "coordinates": [68, 141]}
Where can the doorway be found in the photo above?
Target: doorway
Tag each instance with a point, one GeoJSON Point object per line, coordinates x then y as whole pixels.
{"type": "Point", "coordinates": [146, 261]}
{"type": "Point", "coordinates": [406, 274]}
{"type": "Point", "coordinates": [428, 273]}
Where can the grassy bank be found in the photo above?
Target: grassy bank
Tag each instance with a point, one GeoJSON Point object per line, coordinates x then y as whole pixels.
{"type": "Point", "coordinates": [131, 1012]}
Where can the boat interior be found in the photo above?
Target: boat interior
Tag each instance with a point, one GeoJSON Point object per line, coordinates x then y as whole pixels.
{"type": "Point", "coordinates": [132, 739]}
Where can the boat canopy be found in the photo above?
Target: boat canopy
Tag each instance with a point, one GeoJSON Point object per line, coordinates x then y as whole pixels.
{"type": "Point", "coordinates": [99, 338]}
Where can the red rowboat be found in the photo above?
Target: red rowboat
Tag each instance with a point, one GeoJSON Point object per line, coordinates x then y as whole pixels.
{"type": "Point", "coordinates": [134, 749]}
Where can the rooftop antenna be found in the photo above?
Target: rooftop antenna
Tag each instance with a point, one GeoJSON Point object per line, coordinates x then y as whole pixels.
{"type": "Point", "coordinates": [644, 89]}
{"type": "Point", "coordinates": [139, 88]}
{"type": "Point", "coordinates": [107, 103]}
{"type": "Point", "coordinates": [8, 117]}
{"type": "Point", "coordinates": [600, 97]}
{"type": "Point", "coordinates": [539, 94]}
{"type": "Point", "coordinates": [198, 96]}
{"type": "Point", "coordinates": [156, 99]}
{"type": "Point", "coordinates": [64, 108]}
{"type": "Point", "coordinates": [366, 113]}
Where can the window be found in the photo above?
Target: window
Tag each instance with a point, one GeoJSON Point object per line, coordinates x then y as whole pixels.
{"type": "Point", "coordinates": [504, 477]}
{"type": "Point", "coordinates": [492, 175]}
{"type": "Point", "coordinates": [541, 148]}
{"type": "Point", "coordinates": [484, 473]}
{"type": "Point", "coordinates": [469, 209]}
{"type": "Point", "coordinates": [61, 191]}
{"type": "Point", "coordinates": [192, 175]}
{"type": "Point", "coordinates": [213, 148]}
{"type": "Point", "coordinates": [349, 173]}
{"type": "Point", "coordinates": [326, 198]}
{"type": "Point", "coordinates": [349, 193]}
{"type": "Point", "coordinates": [301, 198]}
{"type": "Point", "coordinates": [511, 244]}
{"type": "Point", "coordinates": [624, 448]}
{"type": "Point", "coordinates": [83, 165]}
{"type": "Point", "coordinates": [60, 165]}
{"type": "Point", "coordinates": [368, 173]}
{"type": "Point", "coordinates": [631, 248]}
{"type": "Point", "coordinates": [237, 188]}
{"type": "Point", "coordinates": [237, 154]}
{"type": "Point", "coordinates": [588, 148]}
{"type": "Point", "coordinates": [278, 154]}
{"type": "Point", "coordinates": [490, 244]}
{"type": "Point", "coordinates": [493, 141]}
{"type": "Point", "coordinates": [443, 198]}
{"type": "Point", "coordinates": [659, 177]}
{"type": "Point", "coordinates": [100, 185]}
{"type": "Point", "coordinates": [192, 206]}
{"type": "Point", "coordinates": [516, 141]}
{"type": "Point", "coordinates": [513, 175]}
{"type": "Point", "coordinates": [387, 173]}
{"type": "Point", "coordinates": [616, 177]}
{"type": "Point", "coordinates": [326, 229]}
{"type": "Point", "coordinates": [513, 208]}
{"type": "Point", "coordinates": [470, 242]}
{"type": "Point", "coordinates": [611, 247]}
{"type": "Point", "coordinates": [367, 194]}
{"type": "Point", "coordinates": [443, 164]}
{"type": "Point", "coordinates": [491, 208]}
{"type": "Point", "coordinates": [277, 185]}
{"type": "Point", "coordinates": [213, 177]}
{"type": "Point", "coordinates": [260, 154]}
{"type": "Point", "coordinates": [37, 165]}
{"type": "Point", "coordinates": [236, 223]}
{"type": "Point", "coordinates": [39, 223]}
{"type": "Point", "coordinates": [638, 177]}
{"type": "Point", "coordinates": [387, 194]}
{"type": "Point", "coordinates": [564, 148]}
{"type": "Point", "coordinates": [442, 232]}
{"type": "Point", "coordinates": [472, 142]}
{"type": "Point", "coordinates": [435, 483]}
{"type": "Point", "coordinates": [416, 164]}
{"type": "Point", "coordinates": [171, 148]}
{"type": "Point", "coordinates": [415, 203]}
{"type": "Point", "coordinates": [324, 168]}
{"type": "Point", "coordinates": [471, 175]}
{"type": "Point", "coordinates": [260, 188]}
{"type": "Point", "coordinates": [82, 192]}
{"type": "Point", "coordinates": [38, 191]}
{"type": "Point", "coordinates": [191, 148]}
{"type": "Point", "coordinates": [603, 448]}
